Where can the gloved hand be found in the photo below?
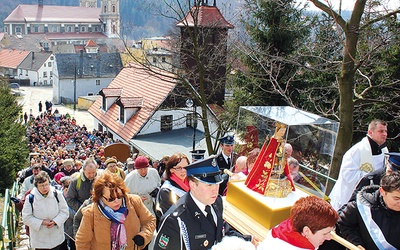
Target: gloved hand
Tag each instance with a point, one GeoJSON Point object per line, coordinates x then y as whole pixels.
{"type": "Point", "coordinates": [139, 240]}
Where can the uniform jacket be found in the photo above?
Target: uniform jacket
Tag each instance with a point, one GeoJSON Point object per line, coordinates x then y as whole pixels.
{"type": "Point", "coordinates": [169, 193]}
{"type": "Point", "coordinates": [370, 179]}
{"type": "Point", "coordinates": [45, 208]}
{"type": "Point", "coordinates": [200, 232]}
{"type": "Point", "coordinates": [76, 196]}
{"type": "Point", "coordinates": [94, 231]}
{"type": "Point", "coordinates": [354, 229]}
{"type": "Point", "coordinates": [222, 164]}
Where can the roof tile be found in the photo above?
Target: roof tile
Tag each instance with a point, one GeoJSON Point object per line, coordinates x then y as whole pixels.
{"type": "Point", "coordinates": [135, 80]}
{"type": "Point", "coordinates": [207, 16]}
{"type": "Point", "coordinates": [12, 58]}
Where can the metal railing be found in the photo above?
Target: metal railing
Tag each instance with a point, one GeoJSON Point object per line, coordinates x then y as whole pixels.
{"type": "Point", "coordinates": [9, 222]}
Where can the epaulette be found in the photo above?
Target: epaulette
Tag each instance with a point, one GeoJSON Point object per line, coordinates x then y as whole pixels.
{"type": "Point", "coordinates": [179, 210]}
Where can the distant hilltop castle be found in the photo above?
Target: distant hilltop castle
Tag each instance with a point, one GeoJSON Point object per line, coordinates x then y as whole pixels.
{"type": "Point", "coordinates": [66, 22]}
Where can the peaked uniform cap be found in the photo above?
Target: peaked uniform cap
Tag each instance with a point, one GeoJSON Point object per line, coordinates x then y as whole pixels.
{"type": "Point", "coordinates": [206, 171]}
{"type": "Point", "coordinates": [394, 159]}
{"type": "Point", "coordinates": [228, 139]}
{"type": "Point", "coordinates": [198, 154]}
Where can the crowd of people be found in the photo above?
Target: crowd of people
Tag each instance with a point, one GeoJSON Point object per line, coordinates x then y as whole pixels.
{"type": "Point", "coordinates": [82, 199]}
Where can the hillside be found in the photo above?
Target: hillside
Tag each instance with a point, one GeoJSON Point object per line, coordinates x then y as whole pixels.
{"type": "Point", "coordinates": [139, 18]}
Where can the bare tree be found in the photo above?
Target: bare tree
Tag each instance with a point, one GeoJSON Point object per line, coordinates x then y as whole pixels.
{"type": "Point", "coordinates": [351, 63]}
{"type": "Point", "coordinates": [199, 58]}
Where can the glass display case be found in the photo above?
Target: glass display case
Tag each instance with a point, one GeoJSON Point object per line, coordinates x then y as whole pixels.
{"type": "Point", "coordinates": [312, 138]}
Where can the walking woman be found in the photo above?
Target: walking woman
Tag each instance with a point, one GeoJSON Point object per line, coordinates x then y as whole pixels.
{"type": "Point", "coordinates": [115, 220]}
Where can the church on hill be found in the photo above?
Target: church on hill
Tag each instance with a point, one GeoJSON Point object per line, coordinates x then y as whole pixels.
{"type": "Point", "coordinates": [66, 24]}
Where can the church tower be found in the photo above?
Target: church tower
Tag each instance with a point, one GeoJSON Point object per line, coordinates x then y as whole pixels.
{"type": "Point", "coordinates": [88, 3]}
{"type": "Point", "coordinates": [211, 28]}
{"type": "Point", "coordinates": [110, 17]}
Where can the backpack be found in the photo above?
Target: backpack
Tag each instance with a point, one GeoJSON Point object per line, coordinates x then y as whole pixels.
{"type": "Point", "coordinates": [31, 197]}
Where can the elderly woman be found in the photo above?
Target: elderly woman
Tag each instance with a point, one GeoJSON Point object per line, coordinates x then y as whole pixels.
{"type": "Point", "coordinates": [45, 212]}
{"type": "Point", "coordinates": [175, 185]}
{"type": "Point", "coordinates": [115, 220]}
{"type": "Point", "coordinates": [310, 223]}
{"type": "Point", "coordinates": [111, 165]}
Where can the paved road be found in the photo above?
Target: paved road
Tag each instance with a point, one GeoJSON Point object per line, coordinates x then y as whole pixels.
{"type": "Point", "coordinates": [30, 101]}
{"type": "Point", "coordinates": [32, 96]}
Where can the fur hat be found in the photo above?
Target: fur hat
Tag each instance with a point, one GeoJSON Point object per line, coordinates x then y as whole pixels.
{"type": "Point", "coordinates": [68, 162]}
{"type": "Point", "coordinates": [110, 160]}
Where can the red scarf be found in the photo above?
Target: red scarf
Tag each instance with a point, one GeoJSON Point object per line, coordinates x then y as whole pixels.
{"type": "Point", "coordinates": [285, 232]}
{"type": "Point", "coordinates": [184, 185]}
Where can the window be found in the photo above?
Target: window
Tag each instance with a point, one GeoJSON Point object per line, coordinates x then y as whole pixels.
{"type": "Point", "coordinates": [105, 9]}
{"type": "Point", "coordinates": [166, 122]}
{"type": "Point", "coordinates": [51, 73]}
{"type": "Point", "coordinates": [97, 82]}
{"type": "Point", "coordinates": [95, 29]}
{"type": "Point", "coordinates": [154, 59]}
{"type": "Point", "coordinates": [69, 29]}
{"type": "Point", "coordinates": [103, 103]}
{"type": "Point", "coordinates": [44, 82]}
{"type": "Point", "coordinates": [44, 64]}
{"type": "Point", "coordinates": [121, 114]}
{"type": "Point", "coordinates": [44, 74]}
{"type": "Point", "coordinates": [36, 29]}
{"type": "Point", "coordinates": [18, 29]}
{"type": "Point", "coordinates": [54, 29]}
{"type": "Point", "coordinates": [49, 65]}
{"type": "Point", "coordinates": [83, 29]}
{"type": "Point", "coordinates": [113, 8]}
{"type": "Point", "coordinates": [163, 59]}
{"type": "Point", "coordinates": [52, 58]}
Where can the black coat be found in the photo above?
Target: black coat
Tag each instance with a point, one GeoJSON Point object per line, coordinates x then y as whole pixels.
{"type": "Point", "coordinates": [200, 231]}
{"type": "Point", "coordinates": [222, 164]}
{"type": "Point", "coordinates": [352, 225]}
{"type": "Point", "coordinates": [373, 178]}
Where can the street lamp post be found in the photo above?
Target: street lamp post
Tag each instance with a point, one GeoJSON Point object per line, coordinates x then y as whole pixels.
{"type": "Point", "coordinates": [189, 104]}
{"type": "Point", "coordinates": [75, 89]}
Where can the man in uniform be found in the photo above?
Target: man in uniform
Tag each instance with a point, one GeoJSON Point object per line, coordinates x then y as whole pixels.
{"type": "Point", "coordinates": [392, 164]}
{"type": "Point", "coordinates": [195, 221]}
{"type": "Point", "coordinates": [226, 159]}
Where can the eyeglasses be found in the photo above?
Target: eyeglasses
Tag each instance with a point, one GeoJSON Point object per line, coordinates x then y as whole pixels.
{"type": "Point", "coordinates": [179, 168]}
{"type": "Point", "coordinates": [113, 199]}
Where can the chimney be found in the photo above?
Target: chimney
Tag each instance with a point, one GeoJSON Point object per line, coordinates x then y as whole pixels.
{"type": "Point", "coordinates": [33, 56]}
{"type": "Point", "coordinates": [40, 3]}
{"type": "Point", "coordinates": [81, 63]}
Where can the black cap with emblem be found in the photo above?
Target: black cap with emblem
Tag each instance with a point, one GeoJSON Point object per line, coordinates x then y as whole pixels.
{"type": "Point", "coordinates": [206, 171]}
{"type": "Point", "coordinates": [394, 161]}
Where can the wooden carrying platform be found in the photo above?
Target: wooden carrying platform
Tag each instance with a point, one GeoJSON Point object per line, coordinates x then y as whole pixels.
{"type": "Point", "coordinates": [242, 222]}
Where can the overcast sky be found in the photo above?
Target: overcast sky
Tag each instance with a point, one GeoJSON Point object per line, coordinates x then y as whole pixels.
{"type": "Point", "coordinates": [349, 4]}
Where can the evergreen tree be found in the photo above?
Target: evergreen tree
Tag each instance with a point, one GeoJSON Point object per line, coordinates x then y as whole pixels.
{"type": "Point", "coordinates": [14, 151]}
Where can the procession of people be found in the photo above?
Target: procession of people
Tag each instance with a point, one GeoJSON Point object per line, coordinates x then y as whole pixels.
{"type": "Point", "coordinates": [175, 203]}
